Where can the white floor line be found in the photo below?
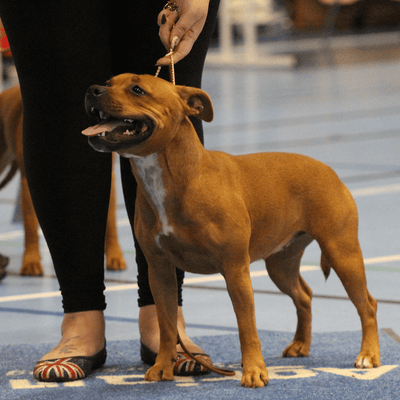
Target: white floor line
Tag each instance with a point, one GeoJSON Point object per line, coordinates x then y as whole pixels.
{"type": "Point", "coordinates": [33, 296]}
{"type": "Point", "coordinates": [253, 274]}
{"type": "Point", "coordinates": [369, 191]}
{"type": "Point", "coordinates": [120, 288]}
{"type": "Point", "coordinates": [200, 279]}
{"type": "Point", "coordinates": [12, 235]}
{"type": "Point", "coordinates": [382, 260]}
{"type": "Point", "coordinates": [376, 190]}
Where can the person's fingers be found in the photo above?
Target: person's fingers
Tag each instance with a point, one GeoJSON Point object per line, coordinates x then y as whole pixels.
{"type": "Point", "coordinates": [167, 19]}
{"type": "Point", "coordinates": [179, 29]}
{"type": "Point", "coordinates": [182, 48]}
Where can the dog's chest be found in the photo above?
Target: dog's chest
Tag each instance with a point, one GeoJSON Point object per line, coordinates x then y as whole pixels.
{"type": "Point", "coordinates": [189, 255]}
{"type": "Point", "coordinates": [150, 174]}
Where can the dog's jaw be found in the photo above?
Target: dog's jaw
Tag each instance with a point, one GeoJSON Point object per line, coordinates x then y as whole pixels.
{"type": "Point", "coordinates": [115, 134]}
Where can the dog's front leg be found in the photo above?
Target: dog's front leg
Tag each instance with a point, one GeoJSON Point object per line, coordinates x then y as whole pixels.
{"type": "Point", "coordinates": [240, 290]}
{"type": "Point", "coordinates": [164, 288]}
{"type": "Point", "coordinates": [31, 264]}
{"type": "Point", "coordinates": [114, 255]}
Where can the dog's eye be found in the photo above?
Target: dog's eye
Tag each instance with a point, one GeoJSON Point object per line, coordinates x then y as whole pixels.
{"type": "Point", "coordinates": [137, 90]}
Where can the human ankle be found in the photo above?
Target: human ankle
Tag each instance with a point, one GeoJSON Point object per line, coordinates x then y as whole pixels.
{"type": "Point", "coordinates": [83, 334]}
{"type": "Point", "coordinates": [148, 327]}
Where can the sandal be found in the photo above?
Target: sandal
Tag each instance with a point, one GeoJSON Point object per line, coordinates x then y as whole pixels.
{"type": "Point", "coordinates": [184, 366]}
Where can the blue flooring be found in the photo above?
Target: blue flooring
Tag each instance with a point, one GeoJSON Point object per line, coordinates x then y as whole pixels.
{"type": "Point", "coordinates": [326, 374]}
{"type": "Point", "coordinates": [347, 117]}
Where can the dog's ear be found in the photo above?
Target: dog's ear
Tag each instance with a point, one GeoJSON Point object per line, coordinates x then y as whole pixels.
{"type": "Point", "coordinates": [198, 103]}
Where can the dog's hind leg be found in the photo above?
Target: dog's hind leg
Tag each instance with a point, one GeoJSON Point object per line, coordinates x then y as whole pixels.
{"type": "Point", "coordinates": [346, 260]}
{"type": "Point", "coordinates": [284, 269]}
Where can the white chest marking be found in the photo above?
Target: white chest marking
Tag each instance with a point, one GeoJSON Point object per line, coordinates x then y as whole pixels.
{"type": "Point", "coordinates": [151, 175]}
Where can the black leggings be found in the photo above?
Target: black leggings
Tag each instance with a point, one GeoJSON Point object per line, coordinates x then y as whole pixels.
{"type": "Point", "coordinates": [60, 48]}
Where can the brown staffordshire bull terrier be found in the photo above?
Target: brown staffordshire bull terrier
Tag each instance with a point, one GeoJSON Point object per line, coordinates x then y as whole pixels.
{"type": "Point", "coordinates": [11, 154]}
{"type": "Point", "coordinates": [210, 212]}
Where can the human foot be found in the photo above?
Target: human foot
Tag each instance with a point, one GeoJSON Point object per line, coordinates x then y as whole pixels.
{"type": "Point", "coordinates": [150, 343]}
{"type": "Point", "coordinates": [77, 354]}
{"type": "Point", "coordinates": [83, 334]}
{"type": "Point", "coordinates": [150, 333]}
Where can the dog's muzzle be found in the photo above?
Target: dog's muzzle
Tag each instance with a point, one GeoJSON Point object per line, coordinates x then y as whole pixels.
{"type": "Point", "coordinates": [113, 132]}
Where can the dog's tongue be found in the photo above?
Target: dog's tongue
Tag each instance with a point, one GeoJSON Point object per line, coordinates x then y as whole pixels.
{"type": "Point", "coordinates": [106, 126]}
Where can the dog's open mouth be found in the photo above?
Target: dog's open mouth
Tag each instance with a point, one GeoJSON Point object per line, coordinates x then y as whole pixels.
{"type": "Point", "coordinates": [117, 130]}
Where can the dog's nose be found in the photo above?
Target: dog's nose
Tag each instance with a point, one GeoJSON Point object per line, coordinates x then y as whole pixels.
{"type": "Point", "coordinates": [96, 90]}
{"type": "Point", "coordinates": [95, 95]}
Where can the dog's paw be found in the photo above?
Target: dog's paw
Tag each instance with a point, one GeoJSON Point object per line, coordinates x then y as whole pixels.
{"type": "Point", "coordinates": [255, 377]}
{"type": "Point", "coordinates": [115, 259]}
{"type": "Point", "coordinates": [31, 268]}
{"type": "Point", "coordinates": [364, 361]}
{"type": "Point", "coordinates": [157, 373]}
{"type": "Point", "coordinates": [116, 264]}
{"type": "Point", "coordinates": [297, 349]}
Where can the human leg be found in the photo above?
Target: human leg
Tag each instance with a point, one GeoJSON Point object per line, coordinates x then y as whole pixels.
{"type": "Point", "coordinates": [140, 58]}
{"type": "Point", "coordinates": [60, 49]}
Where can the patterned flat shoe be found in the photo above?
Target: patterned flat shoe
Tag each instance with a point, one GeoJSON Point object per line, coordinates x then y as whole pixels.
{"type": "Point", "coordinates": [184, 366]}
{"type": "Point", "coordinates": [69, 368]}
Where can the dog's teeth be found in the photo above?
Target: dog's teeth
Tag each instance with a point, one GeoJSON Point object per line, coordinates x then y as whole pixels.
{"type": "Point", "coordinates": [102, 115]}
{"type": "Point", "coordinates": [130, 121]}
{"type": "Point", "coordinates": [127, 132]}
{"type": "Point", "coordinates": [144, 128]}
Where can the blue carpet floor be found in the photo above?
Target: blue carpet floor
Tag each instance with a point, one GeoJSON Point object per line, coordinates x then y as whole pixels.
{"type": "Point", "coordinates": [327, 374]}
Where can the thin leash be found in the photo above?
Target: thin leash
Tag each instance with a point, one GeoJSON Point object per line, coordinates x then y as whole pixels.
{"type": "Point", "coordinates": [171, 66]}
{"type": "Point", "coordinates": [221, 371]}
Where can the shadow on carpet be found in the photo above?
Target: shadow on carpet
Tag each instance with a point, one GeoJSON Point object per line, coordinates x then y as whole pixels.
{"type": "Point", "coordinates": [327, 374]}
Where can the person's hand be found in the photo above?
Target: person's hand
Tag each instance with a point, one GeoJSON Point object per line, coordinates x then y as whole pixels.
{"type": "Point", "coordinates": [179, 29]}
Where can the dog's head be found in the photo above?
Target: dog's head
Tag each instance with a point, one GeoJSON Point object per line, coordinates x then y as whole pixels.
{"type": "Point", "coordinates": [139, 114]}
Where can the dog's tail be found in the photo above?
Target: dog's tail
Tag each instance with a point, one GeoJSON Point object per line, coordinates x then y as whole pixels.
{"type": "Point", "coordinates": [325, 266]}
{"type": "Point", "coordinates": [10, 174]}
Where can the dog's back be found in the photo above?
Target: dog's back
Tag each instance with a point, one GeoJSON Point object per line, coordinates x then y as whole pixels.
{"type": "Point", "coordinates": [288, 177]}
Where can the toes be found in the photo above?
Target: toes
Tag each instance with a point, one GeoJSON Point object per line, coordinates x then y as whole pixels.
{"type": "Point", "coordinates": [364, 362]}
{"type": "Point", "coordinates": [255, 379]}
{"type": "Point", "coordinates": [116, 264]}
{"type": "Point", "coordinates": [297, 349]}
{"type": "Point", "coordinates": [32, 269]}
{"type": "Point", "coordinates": [254, 382]}
{"type": "Point", "coordinates": [157, 373]}
{"type": "Point", "coordinates": [153, 375]}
